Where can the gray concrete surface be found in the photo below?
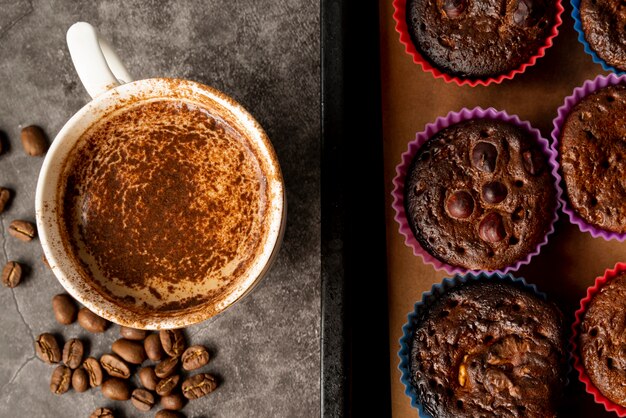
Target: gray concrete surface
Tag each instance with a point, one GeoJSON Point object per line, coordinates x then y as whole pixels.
{"type": "Point", "coordinates": [266, 55]}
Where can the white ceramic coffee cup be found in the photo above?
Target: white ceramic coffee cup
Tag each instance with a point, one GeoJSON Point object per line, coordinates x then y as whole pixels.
{"type": "Point", "coordinates": [110, 87]}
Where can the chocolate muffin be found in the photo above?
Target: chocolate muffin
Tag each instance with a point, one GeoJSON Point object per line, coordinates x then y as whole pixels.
{"type": "Point", "coordinates": [479, 39]}
{"type": "Point", "coordinates": [489, 348]}
{"type": "Point", "coordinates": [479, 195]}
{"type": "Point", "coordinates": [604, 25]}
{"type": "Point", "coordinates": [592, 153]}
{"type": "Point", "coordinates": [601, 339]}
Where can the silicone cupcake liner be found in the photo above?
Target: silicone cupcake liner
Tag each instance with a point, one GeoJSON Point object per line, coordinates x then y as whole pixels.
{"type": "Point", "coordinates": [428, 298]}
{"type": "Point", "coordinates": [570, 101]}
{"type": "Point", "coordinates": [581, 38]}
{"type": "Point", "coordinates": [399, 16]}
{"type": "Point", "coordinates": [578, 317]}
{"type": "Point", "coordinates": [407, 157]}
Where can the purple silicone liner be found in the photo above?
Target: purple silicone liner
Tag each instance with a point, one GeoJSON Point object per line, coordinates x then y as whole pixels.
{"type": "Point", "coordinates": [407, 157]}
{"type": "Point", "coordinates": [578, 94]}
{"type": "Point", "coordinates": [428, 298]}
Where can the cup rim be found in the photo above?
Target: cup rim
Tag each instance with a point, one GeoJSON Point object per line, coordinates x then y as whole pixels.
{"type": "Point", "coordinates": [46, 204]}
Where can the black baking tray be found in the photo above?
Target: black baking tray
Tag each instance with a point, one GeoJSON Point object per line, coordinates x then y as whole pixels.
{"type": "Point", "coordinates": [354, 329]}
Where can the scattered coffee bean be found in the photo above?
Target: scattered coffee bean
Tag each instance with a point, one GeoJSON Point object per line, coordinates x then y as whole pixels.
{"type": "Point", "coordinates": [60, 380]}
{"type": "Point", "coordinates": [64, 309]}
{"type": "Point", "coordinates": [195, 357]}
{"type": "Point", "coordinates": [198, 386]}
{"type": "Point", "coordinates": [142, 399]}
{"type": "Point", "coordinates": [34, 141]}
{"type": "Point", "coordinates": [132, 333]}
{"type": "Point", "coordinates": [22, 230]}
{"type": "Point", "coordinates": [116, 389]}
{"type": "Point", "coordinates": [47, 348]}
{"type": "Point", "coordinates": [12, 274]}
{"type": "Point", "coordinates": [73, 353]}
{"type": "Point", "coordinates": [167, 385]}
{"type": "Point", "coordinates": [91, 322]}
{"type": "Point", "coordinates": [148, 378]}
{"type": "Point", "coordinates": [94, 370]}
{"type": "Point", "coordinates": [114, 366]}
{"type": "Point", "coordinates": [129, 350]}
{"type": "Point", "coordinates": [166, 368]}
{"type": "Point", "coordinates": [173, 341]}
{"type": "Point", "coordinates": [5, 195]}
{"type": "Point", "coordinates": [173, 402]}
{"type": "Point", "coordinates": [102, 413]}
{"type": "Point", "coordinates": [152, 345]}
{"type": "Point", "coordinates": [80, 380]}
{"type": "Point", "coordinates": [168, 414]}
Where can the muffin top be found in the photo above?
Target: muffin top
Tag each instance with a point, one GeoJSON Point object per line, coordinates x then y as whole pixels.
{"type": "Point", "coordinates": [604, 24]}
{"type": "Point", "coordinates": [479, 38]}
{"type": "Point", "coordinates": [593, 158]}
{"type": "Point", "coordinates": [489, 349]}
{"type": "Point", "coordinates": [602, 340]}
{"type": "Point", "coordinates": [479, 195]}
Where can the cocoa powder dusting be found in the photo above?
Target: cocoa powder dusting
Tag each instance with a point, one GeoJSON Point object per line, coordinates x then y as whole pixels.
{"type": "Point", "coordinates": [162, 197]}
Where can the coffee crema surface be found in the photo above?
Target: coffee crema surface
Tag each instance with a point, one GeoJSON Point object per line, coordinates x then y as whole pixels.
{"type": "Point", "coordinates": [164, 205]}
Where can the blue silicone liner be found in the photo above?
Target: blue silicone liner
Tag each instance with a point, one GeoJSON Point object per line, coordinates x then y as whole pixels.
{"type": "Point", "coordinates": [428, 298]}
{"type": "Point", "coordinates": [581, 38]}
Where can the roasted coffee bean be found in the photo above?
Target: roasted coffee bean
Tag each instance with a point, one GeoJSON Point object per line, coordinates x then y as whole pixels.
{"type": "Point", "coordinates": [129, 350]}
{"type": "Point", "coordinates": [80, 380]}
{"type": "Point", "coordinates": [484, 156]}
{"type": "Point", "coordinates": [91, 322]}
{"type": "Point", "coordinates": [102, 413]}
{"type": "Point", "coordinates": [5, 195]}
{"type": "Point", "coordinates": [73, 353]}
{"type": "Point", "coordinates": [142, 399]}
{"type": "Point", "coordinates": [64, 308]}
{"type": "Point", "coordinates": [173, 341]}
{"type": "Point", "coordinates": [198, 386]}
{"type": "Point", "coordinates": [174, 401]}
{"type": "Point", "coordinates": [167, 385]}
{"type": "Point", "coordinates": [132, 333]}
{"type": "Point", "coordinates": [494, 192]}
{"type": "Point", "coordinates": [60, 380]}
{"type": "Point", "coordinates": [116, 389]}
{"type": "Point", "coordinates": [460, 205]}
{"type": "Point", "coordinates": [114, 366]}
{"type": "Point", "coordinates": [148, 378]}
{"type": "Point", "coordinates": [94, 370]}
{"type": "Point", "coordinates": [491, 228]}
{"type": "Point", "coordinates": [22, 230]}
{"type": "Point", "coordinates": [164, 413]}
{"type": "Point", "coordinates": [34, 141]}
{"type": "Point", "coordinates": [12, 274]}
{"type": "Point", "coordinates": [195, 357]}
{"type": "Point", "coordinates": [47, 348]}
{"type": "Point", "coordinates": [153, 347]}
{"type": "Point", "coordinates": [166, 368]}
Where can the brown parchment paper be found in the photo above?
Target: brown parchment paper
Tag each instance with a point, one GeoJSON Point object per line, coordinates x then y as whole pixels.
{"type": "Point", "coordinates": [410, 99]}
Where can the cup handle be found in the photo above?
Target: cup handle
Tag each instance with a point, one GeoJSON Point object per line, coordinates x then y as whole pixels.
{"type": "Point", "coordinates": [98, 66]}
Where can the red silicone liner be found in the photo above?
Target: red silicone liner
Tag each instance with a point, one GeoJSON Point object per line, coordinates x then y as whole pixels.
{"type": "Point", "coordinates": [421, 138]}
{"type": "Point", "coordinates": [399, 16]}
{"type": "Point", "coordinates": [610, 406]}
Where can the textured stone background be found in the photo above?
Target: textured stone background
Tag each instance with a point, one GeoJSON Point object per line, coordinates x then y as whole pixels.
{"type": "Point", "coordinates": [263, 53]}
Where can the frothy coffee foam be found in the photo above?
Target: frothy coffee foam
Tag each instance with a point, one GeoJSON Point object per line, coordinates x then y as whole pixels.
{"type": "Point", "coordinates": [160, 200]}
